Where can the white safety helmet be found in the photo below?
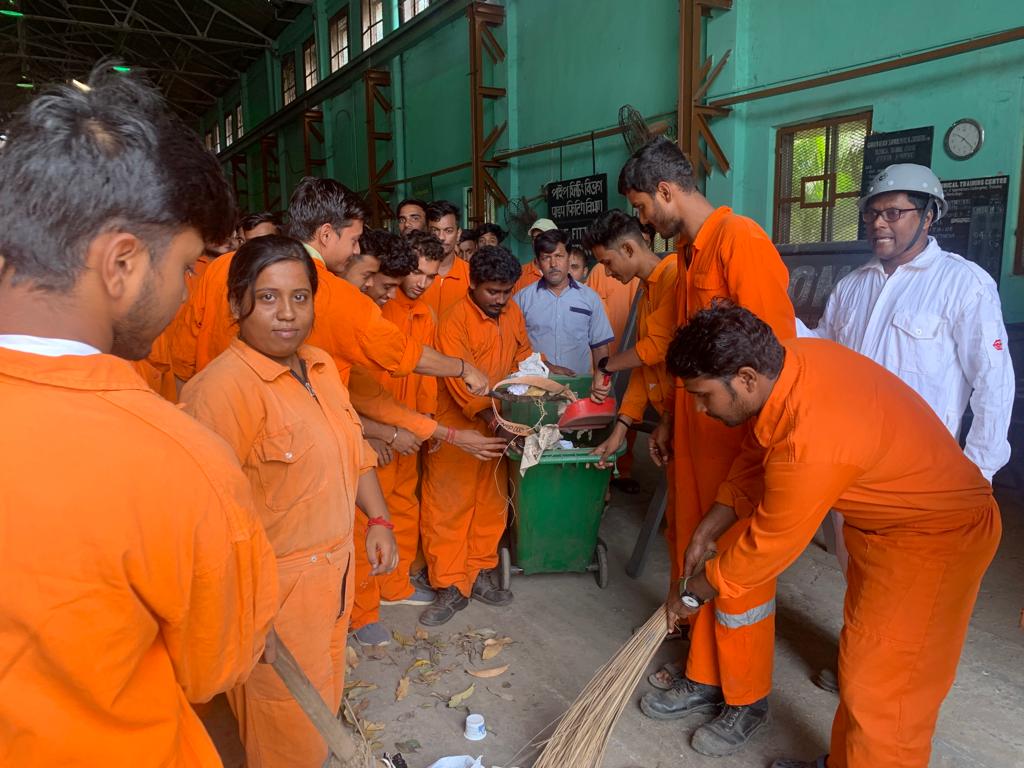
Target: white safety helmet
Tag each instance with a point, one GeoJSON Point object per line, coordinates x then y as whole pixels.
{"type": "Point", "coordinates": [907, 177]}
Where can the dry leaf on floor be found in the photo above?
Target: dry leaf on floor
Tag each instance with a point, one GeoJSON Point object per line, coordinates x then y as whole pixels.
{"type": "Point", "coordinates": [403, 640]}
{"type": "Point", "coordinates": [416, 664]}
{"type": "Point", "coordinates": [493, 647]}
{"type": "Point", "coordinates": [403, 689]}
{"type": "Point", "coordinates": [377, 653]}
{"type": "Point", "coordinates": [351, 657]}
{"type": "Point", "coordinates": [492, 672]}
{"type": "Point", "coordinates": [372, 729]}
{"type": "Point", "coordinates": [460, 698]}
{"type": "Point", "coordinates": [408, 746]}
{"type": "Point", "coordinates": [422, 634]}
{"type": "Point", "coordinates": [359, 687]}
{"type": "Point", "coordinates": [362, 706]}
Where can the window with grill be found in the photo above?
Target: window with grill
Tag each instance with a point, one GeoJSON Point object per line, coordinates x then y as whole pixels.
{"type": "Point", "coordinates": [288, 78]}
{"type": "Point", "coordinates": [338, 34]}
{"type": "Point", "coordinates": [817, 179]}
{"type": "Point", "coordinates": [229, 130]}
{"type": "Point", "coordinates": [208, 140]}
{"type": "Point", "coordinates": [309, 67]}
{"type": "Point", "coordinates": [239, 127]}
{"type": "Point", "coordinates": [411, 7]}
{"type": "Point", "coordinates": [216, 138]}
{"type": "Point", "coordinates": [373, 22]}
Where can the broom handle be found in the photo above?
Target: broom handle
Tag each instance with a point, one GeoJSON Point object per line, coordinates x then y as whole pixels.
{"type": "Point", "coordinates": [338, 739]}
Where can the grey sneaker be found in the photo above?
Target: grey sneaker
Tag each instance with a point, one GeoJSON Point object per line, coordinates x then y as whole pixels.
{"type": "Point", "coordinates": [683, 699]}
{"type": "Point", "coordinates": [420, 579]}
{"type": "Point", "coordinates": [731, 730]}
{"type": "Point", "coordinates": [419, 596]}
{"type": "Point", "coordinates": [373, 635]}
{"type": "Point", "coordinates": [448, 602]}
{"type": "Point", "coordinates": [486, 589]}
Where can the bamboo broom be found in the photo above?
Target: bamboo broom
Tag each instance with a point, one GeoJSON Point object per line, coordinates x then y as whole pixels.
{"type": "Point", "coordinates": [581, 738]}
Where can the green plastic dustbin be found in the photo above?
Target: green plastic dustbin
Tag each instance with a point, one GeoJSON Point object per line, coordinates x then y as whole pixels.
{"type": "Point", "coordinates": [558, 503]}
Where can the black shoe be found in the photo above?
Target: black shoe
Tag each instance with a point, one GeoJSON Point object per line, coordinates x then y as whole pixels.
{"type": "Point", "coordinates": [827, 680]}
{"type": "Point", "coordinates": [420, 579]}
{"type": "Point", "coordinates": [681, 700]}
{"type": "Point", "coordinates": [448, 602]}
{"type": "Point", "coordinates": [487, 589]}
{"type": "Point", "coordinates": [731, 730]}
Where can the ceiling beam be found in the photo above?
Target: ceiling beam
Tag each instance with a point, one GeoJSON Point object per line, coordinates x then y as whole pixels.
{"type": "Point", "coordinates": [143, 31]}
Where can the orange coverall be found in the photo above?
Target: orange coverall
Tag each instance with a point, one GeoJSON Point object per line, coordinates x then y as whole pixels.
{"type": "Point", "coordinates": [447, 290]}
{"type": "Point", "coordinates": [464, 501]}
{"type": "Point", "coordinates": [400, 479]}
{"type": "Point", "coordinates": [840, 431]}
{"type": "Point", "coordinates": [732, 641]}
{"type": "Point", "coordinates": [303, 457]}
{"type": "Point", "coordinates": [655, 329]}
{"type": "Point", "coordinates": [618, 301]}
{"type": "Point", "coordinates": [531, 274]}
{"type": "Point", "coordinates": [136, 576]}
{"type": "Point", "coordinates": [155, 368]}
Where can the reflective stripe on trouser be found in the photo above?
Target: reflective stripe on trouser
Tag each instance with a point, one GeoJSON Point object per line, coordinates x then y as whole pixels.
{"type": "Point", "coordinates": [732, 641]}
{"type": "Point", "coordinates": [462, 516]}
{"type": "Point", "coordinates": [316, 593]}
{"type": "Point", "coordinates": [908, 603]}
{"type": "Point", "coordinates": [398, 481]}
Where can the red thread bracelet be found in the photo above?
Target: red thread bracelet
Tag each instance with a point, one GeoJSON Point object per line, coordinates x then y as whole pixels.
{"type": "Point", "coordinates": [381, 522]}
{"type": "Point", "coordinates": [450, 437]}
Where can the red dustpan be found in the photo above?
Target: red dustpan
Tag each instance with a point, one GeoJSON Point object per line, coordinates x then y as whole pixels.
{"type": "Point", "coordinates": [586, 414]}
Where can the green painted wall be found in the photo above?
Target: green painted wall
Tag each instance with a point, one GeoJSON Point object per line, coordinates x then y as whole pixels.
{"type": "Point", "coordinates": [572, 63]}
{"type": "Point", "coordinates": [787, 40]}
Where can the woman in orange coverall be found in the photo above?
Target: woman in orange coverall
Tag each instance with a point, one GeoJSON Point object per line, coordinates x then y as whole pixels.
{"type": "Point", "coordinates": [830, 428]}
{"type": "Point", "coordinates": [282, 408]}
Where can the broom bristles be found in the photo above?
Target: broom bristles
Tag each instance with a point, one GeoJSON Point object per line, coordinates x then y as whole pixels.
{"type": "Point", "coordinates": [582, 735]}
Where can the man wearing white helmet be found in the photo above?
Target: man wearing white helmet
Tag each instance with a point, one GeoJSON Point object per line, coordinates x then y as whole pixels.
{"type": "Point", "coordinates": [931, 317]}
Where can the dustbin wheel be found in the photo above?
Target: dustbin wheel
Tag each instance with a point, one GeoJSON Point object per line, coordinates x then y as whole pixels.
{"type": "Point", "coordinates": [505, 564]}
{"type": "Point", "coordinates": [601, 553]}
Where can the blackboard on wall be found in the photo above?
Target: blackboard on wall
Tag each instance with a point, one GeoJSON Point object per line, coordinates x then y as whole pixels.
{"type": "Point", "coordinates": [575, 203]}
{"type": "Point", "coordinates": [975, 223]}
{"type": "Point", "coordinates": [881, 150]}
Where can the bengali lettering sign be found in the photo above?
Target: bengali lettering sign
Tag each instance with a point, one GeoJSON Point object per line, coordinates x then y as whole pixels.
{"type": "Point", "coordinates": [574, 203]}
{"type": "Point", "coordinates": [975, 223]}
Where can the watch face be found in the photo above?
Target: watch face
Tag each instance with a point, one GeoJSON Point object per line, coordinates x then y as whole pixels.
{"type": "Point", "coordinates": [964, 138]}
{"type": "Point", "coordinates": [690, 602]}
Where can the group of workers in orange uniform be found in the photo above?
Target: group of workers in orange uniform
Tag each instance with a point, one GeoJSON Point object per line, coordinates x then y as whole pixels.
{"type": "Point", "coordinates": [157, 555]}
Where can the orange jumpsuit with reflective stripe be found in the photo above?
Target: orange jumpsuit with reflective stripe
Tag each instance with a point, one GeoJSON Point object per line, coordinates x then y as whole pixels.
{"type": "Point", "coordinates": [448, 290]}
{"type": "Point", "coordinates": [655, 329]}
{"type": "Point", "coordinates": [464, 500]}
{"type": "Point", "coordinates": [732, 641]}
{"type": "Point", "coordinates": [400, 478]}
{"type": "Point", "coordinates": [136, 576]}
{"type": "Point", "coordinates": [303, 456]}
{"type": "Point", "coordinates": [838, 430]}
{"type": "Point", "coordinates": [618, 301]}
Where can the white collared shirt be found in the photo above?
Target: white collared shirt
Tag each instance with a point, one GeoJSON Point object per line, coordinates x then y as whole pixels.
{"type": "Point", "coordinates": [41, 345]}
{"type": "Point", "coordinates": [937, 323]}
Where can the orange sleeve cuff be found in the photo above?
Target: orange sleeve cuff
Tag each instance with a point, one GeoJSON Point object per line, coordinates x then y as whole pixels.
{"type": "Point", "coordinates": [410, 359]}
{"type": "Point", "coordinates": [475, 406]}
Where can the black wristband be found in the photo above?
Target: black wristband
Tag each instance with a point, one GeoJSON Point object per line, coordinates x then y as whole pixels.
{"type": "Point", "coordinates": [462, 373]}
{"type": "Point", "coordinates": [602, 366]}
{"type": "Point", "coordinates": [623, 422]}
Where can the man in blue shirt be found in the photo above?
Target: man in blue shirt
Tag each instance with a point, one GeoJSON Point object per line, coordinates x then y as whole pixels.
{"type": "Point", "coordinates": [565, 320]}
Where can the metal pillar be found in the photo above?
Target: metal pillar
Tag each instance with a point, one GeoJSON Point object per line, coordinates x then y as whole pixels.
{"type": "Point", "coordinates": [240, 181]}
{"type": "Point", "coordinates": [270, 167]}
{"type": "Point", "coordinates": [482, 18]}
{"type": "Point", "coordinates": [374, 83]}
{"type": "Point", "coordinates": [695, 78]}
{"type": "Point", "coordinates": [312, 141]}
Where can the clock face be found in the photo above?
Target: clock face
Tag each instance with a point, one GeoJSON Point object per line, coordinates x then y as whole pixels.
{"type": "Point", "coordinates": [964, 138]}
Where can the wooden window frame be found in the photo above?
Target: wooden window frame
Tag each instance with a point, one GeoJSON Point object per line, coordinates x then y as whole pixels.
{"type": "Point", "coordinates": [310, 69]}
{"type": "Point", "coordinates": [402, 18]}
{"type": "Point", "coordinates": [229, 129]}
{"type": "Point", "coordinates": [288, 63]}
{"type": "Point", "coordinates": [368, 25]}
{"type": "Point", "coordinates": [829, 179]}
{"type": "Point", "coordinates": [343, 51]}
{"type": "Point", "coordinates": [239, 125]}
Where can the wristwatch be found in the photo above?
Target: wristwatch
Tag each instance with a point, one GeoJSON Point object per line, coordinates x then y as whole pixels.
{"type": "Point", "coordinates": [689, 599]}
{"type": "Point", "coordinates": [601, 365]}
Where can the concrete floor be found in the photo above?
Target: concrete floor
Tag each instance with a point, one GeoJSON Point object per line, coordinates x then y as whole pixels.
{"type": "Point", "coordinates": [564, 628]}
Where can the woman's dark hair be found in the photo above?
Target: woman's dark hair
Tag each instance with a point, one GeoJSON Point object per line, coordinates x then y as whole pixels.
{"type": "Point", "coordinates": [255, 256]}
{"type": "Point", "coordinates": [494, 264]}
{"type": "Point", "coordinates": [610, 228]}
{"type": "Point", "coordinates": [487, 228]}
{"type": "Point", "coordinates": [79, 162]}
{"type": "Point", "coordinates": [658, 160]}
{"type": "Point", "coordinates": [720, 340]}
{"type": "Point", "coordinates": [547, 242]}
{"type": "Point", "coordinates": [425, 246]}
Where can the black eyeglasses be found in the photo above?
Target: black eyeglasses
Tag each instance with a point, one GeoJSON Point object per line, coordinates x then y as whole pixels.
{"type": "Point", "coordinates": [869, 215]}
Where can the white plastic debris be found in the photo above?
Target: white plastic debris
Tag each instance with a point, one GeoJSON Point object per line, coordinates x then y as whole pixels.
{"type": "Point", "coordinates": [532, 366]}
{"type": "Point", "coordinates": [462, 761]}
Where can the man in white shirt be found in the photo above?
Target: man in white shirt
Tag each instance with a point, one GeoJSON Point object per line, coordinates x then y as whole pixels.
{"type": "Point", "coordinates": [931, 317]}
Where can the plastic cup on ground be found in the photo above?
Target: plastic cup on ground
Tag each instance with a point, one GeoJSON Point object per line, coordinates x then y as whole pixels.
{"type": "Point", "coordinates": [475, 730]}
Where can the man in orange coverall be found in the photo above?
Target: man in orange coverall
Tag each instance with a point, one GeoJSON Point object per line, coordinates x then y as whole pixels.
{"type": "Point", "coordinates": [136, 576]}
{"type": "Point", "coordinates": [464, 503]}
{"type": "Point", "coordinates": [452, 281]}
{"type": "Point", "coordinates": [723, 255]}
{"type": "Point", "coordinates": [831, 428]}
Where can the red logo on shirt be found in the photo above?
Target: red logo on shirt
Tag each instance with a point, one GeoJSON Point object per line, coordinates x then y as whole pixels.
{"type": "Point", "coordinates": [998, 344]}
